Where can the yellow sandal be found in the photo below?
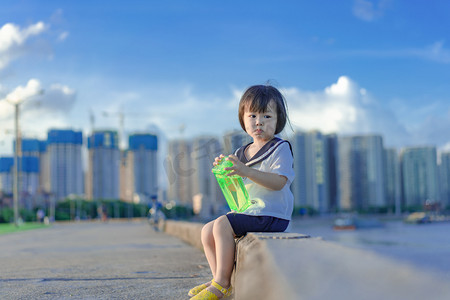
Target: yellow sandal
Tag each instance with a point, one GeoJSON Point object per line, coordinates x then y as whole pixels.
{"type": "Point", "coordinates": [207, 295]}
{"type": "Point", "coordinates": [195, 290]}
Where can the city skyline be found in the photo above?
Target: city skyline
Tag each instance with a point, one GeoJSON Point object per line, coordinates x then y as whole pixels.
{"type": "Point", "coordinates": [178, 69]}
{"type": "Point", "coordinates": [332, 172]}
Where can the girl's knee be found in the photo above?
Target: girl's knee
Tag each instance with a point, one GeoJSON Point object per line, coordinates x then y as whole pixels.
{"type": "Point", "coordinates": [223, 220]}
{"type": "Point", "coordinates": [222, 224]}
{"type": "Point", "coordinates": [207, 231]}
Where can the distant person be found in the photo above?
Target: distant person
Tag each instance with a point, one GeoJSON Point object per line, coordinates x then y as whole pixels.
{"type": "Point", "coordinates": [102, 213]}
{"type": "Point", "coordinates": [266, 166]}
{"type": "Point", "coordinates": [105, 213]}
{"type": "Point", "coordinates": [155, 214]}
{"type": "Point", "coordinates": [40, 215]}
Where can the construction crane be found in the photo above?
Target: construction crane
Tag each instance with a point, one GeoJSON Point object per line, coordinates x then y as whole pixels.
{"type": "Point", "coordinates": [121, 117]}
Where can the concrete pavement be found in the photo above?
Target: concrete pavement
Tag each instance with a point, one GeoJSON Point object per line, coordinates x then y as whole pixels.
{"type": "Point", "coordinates": [93, 260]}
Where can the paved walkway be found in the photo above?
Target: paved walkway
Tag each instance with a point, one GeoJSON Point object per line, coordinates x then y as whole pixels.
{"type": "Point", "coordinates": [115, 260]}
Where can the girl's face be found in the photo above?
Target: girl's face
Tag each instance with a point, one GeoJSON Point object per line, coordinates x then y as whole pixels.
{"type": "Point", "coordinates": [261, 125]}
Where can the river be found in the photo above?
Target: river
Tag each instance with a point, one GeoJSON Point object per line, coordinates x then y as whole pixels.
{"type": "Point", "coordinates": [426, 246]}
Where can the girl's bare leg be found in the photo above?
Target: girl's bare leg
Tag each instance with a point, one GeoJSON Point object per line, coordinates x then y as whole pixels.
{"type": "Point", "coordinates": [219, 246]}
{"type": "Point", "coordinates": [225, 249]}
{"type": "Point", "coordinates": [209, 246]}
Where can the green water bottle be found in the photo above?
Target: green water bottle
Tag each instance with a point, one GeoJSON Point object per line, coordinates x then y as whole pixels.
{"type": "Point", "coordinates": [232, 187]}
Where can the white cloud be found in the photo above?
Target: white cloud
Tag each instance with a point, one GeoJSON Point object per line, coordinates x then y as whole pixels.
{"type": "Point", "coordinates": [21, 93]}
{"type": "Point", "coordinates": [345, 108]}
{"type": "Point", "coordinates": [58, 98]}
{"type": "Point", "coordinates": [445, 148]}
{"type": "Point", "coordinates": [38, 113]}
{"type": "Point", "coordinates": [370, 10]}
{"type": "Point", "coordinates": [342, 107]}
{"type": "Point", "coordinates": [432, 128]}
{"type": "Point", "coordinates": [52, 110]}
{"type": "Point", "coordinates": [57, 17]}
{"type": "Point", "coordinates": [13, 40]}
{"type": "Point", "coordinates": [11, 34]}
{"type": "Point", "coordinates": [436, 52]}
{"type": "Point", "coordinates": [63, 36]}
{"type": "Point", "coordinates": [197, 114]}
{"type": "Point", "coordinates": [169, 107]}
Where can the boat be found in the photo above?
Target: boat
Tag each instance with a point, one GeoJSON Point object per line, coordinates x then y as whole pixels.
{"type": "Point", "coordinates": [352, 223]}
{"type": "Point", "coordinates": [426, 217]}
{"type": "Point", "coordinates": [345, 223]}
{"type": "Point", "coordinates": [418, 218]}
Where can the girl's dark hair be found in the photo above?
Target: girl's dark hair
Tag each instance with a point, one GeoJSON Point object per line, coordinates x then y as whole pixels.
{"type": "Point", "coordinates": [257, 99]}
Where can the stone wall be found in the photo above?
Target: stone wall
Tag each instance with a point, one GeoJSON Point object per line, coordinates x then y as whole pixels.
{"type": "Point", "coordinates": [295, 266]}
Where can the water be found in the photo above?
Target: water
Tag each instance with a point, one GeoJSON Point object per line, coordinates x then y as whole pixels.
{"type": "Point", "coordinates": [426, 246]}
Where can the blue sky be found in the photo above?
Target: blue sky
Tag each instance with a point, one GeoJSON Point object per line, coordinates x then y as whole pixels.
{"type": "Point", "coordinates": [350, 66]}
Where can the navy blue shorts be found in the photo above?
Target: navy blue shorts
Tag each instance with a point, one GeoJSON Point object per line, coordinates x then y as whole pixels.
{"type": "Point", "coordinates": [242, 224]}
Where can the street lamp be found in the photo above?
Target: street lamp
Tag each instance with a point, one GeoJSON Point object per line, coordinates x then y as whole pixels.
{"type": "Point", "coordinates": [17, 154]}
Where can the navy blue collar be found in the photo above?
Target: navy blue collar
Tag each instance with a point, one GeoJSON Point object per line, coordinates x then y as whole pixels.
{"type": "Point", "coordinates": [262, 154]}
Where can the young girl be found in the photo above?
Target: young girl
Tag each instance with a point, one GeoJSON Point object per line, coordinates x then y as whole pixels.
{"type": "Point", "coordinates": [266, 168]}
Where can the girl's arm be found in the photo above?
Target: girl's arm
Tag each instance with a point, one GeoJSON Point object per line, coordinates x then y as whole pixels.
{"type": "Point", "coordinates": [269, 180]}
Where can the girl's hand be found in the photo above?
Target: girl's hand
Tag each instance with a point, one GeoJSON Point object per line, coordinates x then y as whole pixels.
{"type": "Point", "coordinates": [271, 181]}
{"type": "Point", "coordinates": [218, 159]}
{"type": "Point", "coordinates": [238, 167]}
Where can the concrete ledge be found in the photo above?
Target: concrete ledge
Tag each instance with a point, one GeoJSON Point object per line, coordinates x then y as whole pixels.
{"type": "Point", "coordinates": [188, 232]}
{"type": "Point", "coordinates": [257, 274]}
{"type": "Point", "coordinates": [293, 266]}
{"type": "Point", "coordinates": [310, 268]}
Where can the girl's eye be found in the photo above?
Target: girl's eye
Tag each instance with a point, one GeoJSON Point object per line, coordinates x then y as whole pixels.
{"type": "Point", "coordinates": [267, 117]}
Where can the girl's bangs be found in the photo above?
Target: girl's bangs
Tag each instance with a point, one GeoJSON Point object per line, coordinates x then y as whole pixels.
{"type": "Point", "coordinates": [258, 103]}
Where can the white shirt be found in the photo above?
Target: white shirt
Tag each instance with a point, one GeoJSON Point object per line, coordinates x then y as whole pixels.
{"type": "Point", "coordinates": [267, 202]}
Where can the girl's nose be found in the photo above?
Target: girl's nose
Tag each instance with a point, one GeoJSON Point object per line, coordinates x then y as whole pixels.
{"type": "Point", "coordinates": [259, 121]}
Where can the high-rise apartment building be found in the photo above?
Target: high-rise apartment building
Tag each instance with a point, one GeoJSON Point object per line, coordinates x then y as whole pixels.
{"type": "Point", "coordinates": [392, 184]}
{"type": "Point", "coordinates": [65, 163]}
{"type": "Point", "coordinates": [102, 178]}
{"type": "Point", "coordinates": [300, 181]}
{"type": "Point", "coordinates": [361, 174]}
{"type": "Point", "coordinates": [444, 177]}
{"type": "Point", "coordinates": [206, 192]}
{"type": "Point", "coordinates": [139, 171]}
{"type": "Point", "coordinates": [6, 175]}
{"type": "Point", "coordinates": [179, 170]}
{"type": "Point", "coordinates": [332, 154]}
{"type": "Point", "coordinates": [38, 148]}
{"type": "Point", "coordinates": [315, 158]}
{"type": "Point", "coordinates": [233, 140]}
{"type": "Point", "coordinates": [28, 178]}
{"type": "Point", "coordinates": [419, 175]}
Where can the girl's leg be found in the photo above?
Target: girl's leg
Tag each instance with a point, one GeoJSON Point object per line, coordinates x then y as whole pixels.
{"type": "Point", "coordinates": [225, 249]}
{"type": "Point", "coordinates": [219, 246]}
{"type": "Point", "coordinates": [209, 246]}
